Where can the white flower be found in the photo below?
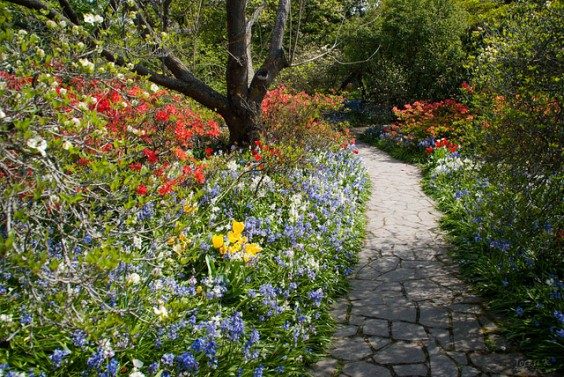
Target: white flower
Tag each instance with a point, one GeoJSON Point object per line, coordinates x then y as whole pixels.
{"type": "Point", "coordinates": [63, 23]}
{"type": "Point", "coordinates": [154, 88]}
{"type": "Point", "coordinates": [40, 53]}
{"type": "Point", "coordinates": [232, 165]}
{"type": "Point", "coordinates": [137, 242]}
{"type": "Point", "coordinates": [51, 24]}
{"type": "Point", "coordinates": [137, 364]}
{"type": "Point", "coordinates": [92, 19]}
{"type": "Point", "coordinates": [39, 144]}
{"type": "Point", "coordinates": [136, 373]}
{"type": "Point", "coordinates": [161, 311]}
{"type": "Point", "coordinates": [6, 318]}
{"type": "Point", "coordinates": [87, 65]}
{"type": "Point", "coordinates": [133, 278]}
{"type": "Point", "coordinates": [2, 114]}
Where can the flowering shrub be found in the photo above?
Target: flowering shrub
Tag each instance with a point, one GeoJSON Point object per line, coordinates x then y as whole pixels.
{"type": "Point", "coordinates": [423, 127]}
{"type": "Point", "coordinates": [422, 120]}
{"type": "Point", "coordinates": [298, 119]}
{"type": "Point", "coordinates": [128, 246]}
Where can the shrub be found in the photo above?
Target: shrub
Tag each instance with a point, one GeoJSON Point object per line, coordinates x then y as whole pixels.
{"type": "Point", "coordinates": [419, 46]}
{"type": "Point", "coordinates": [298, 119]}
{"type": "Point", "coordinates": [421, 128]}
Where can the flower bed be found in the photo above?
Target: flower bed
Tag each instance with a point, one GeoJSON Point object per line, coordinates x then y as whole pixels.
{"type": "Point", "coordinates": [422, 127]}
{"type": "Point", "coordinates": [508, 239]}
{"type": "Point", "coordinates": [131, 245]}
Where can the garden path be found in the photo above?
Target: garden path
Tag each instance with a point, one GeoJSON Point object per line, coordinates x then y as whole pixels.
{"type": "Point", "coordinates": [407, 312]}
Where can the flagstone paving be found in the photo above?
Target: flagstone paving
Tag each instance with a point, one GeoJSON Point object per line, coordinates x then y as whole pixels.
{"type": "Point", "coordinates": [407, 312]}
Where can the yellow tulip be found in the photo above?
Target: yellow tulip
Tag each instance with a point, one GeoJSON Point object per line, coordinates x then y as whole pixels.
{"type": "Point", "coordinates": [233, 237]}
{"type": "Point", "coordinates": [217, 241]}
{"type": "Point", "coordinates": [238, 227]}
{"type": "Point", "coordinates": [253, 248]}
{"type": "Point", "coordinates": [235, 247]}
{"type": "Point", "coordinates": [188, 208]}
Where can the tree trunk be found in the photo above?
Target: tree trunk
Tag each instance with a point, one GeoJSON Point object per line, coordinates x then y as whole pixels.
{"type": "Point", "coordinates": [244, 124]}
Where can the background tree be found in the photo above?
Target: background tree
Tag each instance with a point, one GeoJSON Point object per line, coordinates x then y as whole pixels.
{"type": "Point", "coordinates": [420, 53]}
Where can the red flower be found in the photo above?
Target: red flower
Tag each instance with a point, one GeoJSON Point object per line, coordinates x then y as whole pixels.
{"type": "Point", "coordinates": [151, 155]}
{"type": "Point", "coordinates": [162, 115]}
{"type": "Point", "coordinates": [209, 151]}
{"type": "Point", "coordinates": [83, 161]}
{"type": "Point", "coordinates": [257, 156]}
{"type": "Point", "coordinates": [355, 151]}
{"type": "Point", "coordinates": [136, 166]}
{"type": "Point", "coordinates": [107, 147]}
{"type": "Point", "coordinates": [166, 188]}
{"type": "Point", "coordinates": [187, 170]}
{"type": "Point", "coordinates": [141, 190]}
{"type": "Point", "coordinates": [429, 150]}
{"type": "Point", "coordinates": [199, 176]}
{"type": "Point", "coordinates": [103, 105]}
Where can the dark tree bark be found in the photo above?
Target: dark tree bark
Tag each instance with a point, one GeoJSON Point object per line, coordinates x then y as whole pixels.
{"type": "Point", "coordinates": [240, 107]}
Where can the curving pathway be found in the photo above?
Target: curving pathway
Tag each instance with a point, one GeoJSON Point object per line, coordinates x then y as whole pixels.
{"type": "Point", "coordinates": [407, 313]}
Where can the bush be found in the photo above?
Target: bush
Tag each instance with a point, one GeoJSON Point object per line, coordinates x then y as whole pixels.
{"type": "Point", "coordinates": [421, 128]}
{"type": "Point", "coordinates": [299, 119]}
{"type": "Point", "coordinates": [419, 46]}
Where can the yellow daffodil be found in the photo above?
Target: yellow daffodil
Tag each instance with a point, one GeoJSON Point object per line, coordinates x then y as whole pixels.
{"type": "Point", "coordinates": [199, 289]}
{"type": "Point", "coordinates": [217, 241]}
{"type": "Point", "coordinates": [238, 227]}
{"type": "Point", "coordinates": [189, 208]}
{"type": "Point", "coordinates": [252, 248]}
{"type": "Point", "coordinates": [171, 241]}
{"type": "Point", "coordinates": [233, 237]}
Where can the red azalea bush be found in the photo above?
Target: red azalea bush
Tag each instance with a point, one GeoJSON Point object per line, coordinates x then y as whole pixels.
{"type": "Point", "coordinates": [298, 119]}
{"type": "Point", "coordinates": [147, 130]}
{"type": "Point", "coordinates": [444, 119]}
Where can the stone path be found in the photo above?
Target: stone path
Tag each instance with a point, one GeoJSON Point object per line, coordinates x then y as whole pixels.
{"type": "Point", "coordinates": [407, 313]}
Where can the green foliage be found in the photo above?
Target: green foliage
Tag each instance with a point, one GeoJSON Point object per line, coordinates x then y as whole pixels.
{"type": "Point", "coordinates": [419, 55]}
{"type": "Point", "coordinates": [518, 95]}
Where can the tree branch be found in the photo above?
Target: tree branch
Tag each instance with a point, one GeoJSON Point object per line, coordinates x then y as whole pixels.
{"type": "Point", "coordinates": [276, 59]}
{"type": "Point", "coordinates": [248, 41]}
{"type": "Point", "coordinates": [69, 12]}
{"type": "Point", "coordinates": [183, 81]}
{"type": "Point", "coordinates": [237, 68]}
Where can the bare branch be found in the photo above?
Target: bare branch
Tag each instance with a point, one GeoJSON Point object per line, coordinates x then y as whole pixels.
{"type": "Point", "coordinates": [69, 12]}
{"type": "Point", "coordinates": [294, 48]}
{"type": "Point", "coordinates": [237, 68]}
{"type": "Point", "coordinates": [358, 61]}
{"type": "Point", "coordinates": [248, 35]}
{"type": "Point", "coordinates": [276, 59]}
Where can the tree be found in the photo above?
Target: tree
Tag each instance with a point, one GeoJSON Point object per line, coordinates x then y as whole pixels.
{"type": "Point", "coordinates": [419, 46]}
{"type": "Point", "coordinates": [146, 26]}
